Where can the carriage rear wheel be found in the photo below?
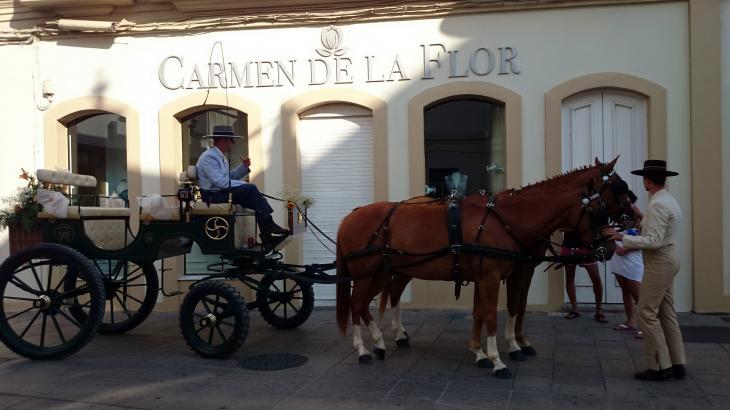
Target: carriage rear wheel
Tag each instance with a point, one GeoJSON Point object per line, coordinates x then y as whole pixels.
{"type": "Point", "coordinates": [35, 321]}
{"type": "Point", "coordinates": [213, 319]}
{"type": "Point", "coordinates": [131, 294]}
{"type": "Point", "coordinates": [285, 303]}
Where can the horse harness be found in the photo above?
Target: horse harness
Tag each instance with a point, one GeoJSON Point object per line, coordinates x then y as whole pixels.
{"type": "Point", "coordinates": [456, 245]}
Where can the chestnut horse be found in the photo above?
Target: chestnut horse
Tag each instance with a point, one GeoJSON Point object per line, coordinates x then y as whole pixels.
{"type": "Point", "coordinates": [518, 282]}
{"type": "Point", "coordinates": [374, 242]}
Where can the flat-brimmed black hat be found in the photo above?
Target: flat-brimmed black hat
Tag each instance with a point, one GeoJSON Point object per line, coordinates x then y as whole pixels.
{"type": "Point", "coordinates": [222, 131]}
{"type": "Point", "coordinates": [654, 167]}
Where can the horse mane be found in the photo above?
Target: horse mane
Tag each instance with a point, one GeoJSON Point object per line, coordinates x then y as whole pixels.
{"type": "Point", "coordinates": [549, 184]}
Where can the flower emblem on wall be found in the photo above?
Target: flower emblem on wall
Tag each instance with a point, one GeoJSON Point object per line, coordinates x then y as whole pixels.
{"type": "Point", "coordinates": [331, 40]}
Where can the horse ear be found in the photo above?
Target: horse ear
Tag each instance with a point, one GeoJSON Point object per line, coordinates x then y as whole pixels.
{"type": "Point", "coordinates": [598, 162]}
{"type": "Point", "coordinates": [613, 163]}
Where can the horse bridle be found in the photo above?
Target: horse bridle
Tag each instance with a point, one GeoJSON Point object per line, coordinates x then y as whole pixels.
{"type": "Point", "coordinates": [599, 217]}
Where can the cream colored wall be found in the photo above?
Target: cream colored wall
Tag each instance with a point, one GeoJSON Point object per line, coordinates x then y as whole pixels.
{"type": "Point", "coordinates": [647, 41]}
{"type": "Point", "coordinates": [21, 134]}
{"type": "Point", "coordinates": [725, 109]}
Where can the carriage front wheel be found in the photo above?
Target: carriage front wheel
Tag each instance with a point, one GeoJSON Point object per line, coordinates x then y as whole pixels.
{"type": "Point", "coordinates": [213, 319]}
{"type": "Point", "coordinates": [35, 321]}
{"type": "Point", "coordinates": [285, 303]}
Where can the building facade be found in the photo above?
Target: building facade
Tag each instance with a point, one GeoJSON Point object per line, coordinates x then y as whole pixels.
{"type": "Point", "coordinates": [368, 101]}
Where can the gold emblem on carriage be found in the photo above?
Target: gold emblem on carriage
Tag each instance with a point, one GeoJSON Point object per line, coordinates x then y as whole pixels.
{"type": "Point", "coordinates": [64, 233]}
{"type": "Point", "coordinates": [216, 228]}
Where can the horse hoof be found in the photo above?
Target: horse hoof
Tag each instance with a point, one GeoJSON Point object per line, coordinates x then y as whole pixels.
{"type": "Point", "coordinates": [380, 353]}
{"type": "Point", "coordinates": [529, 350]}
{"type": "Point", "coordinates": [503, 374]}
{"type": "Point", "coordinates": [403, 343]}
{"type": "Point", "coordinates": [518, 356]}
{"type": "Point", "coordinates": [485, 363]}
{"type": "Point", "coordinates": [365, 359]}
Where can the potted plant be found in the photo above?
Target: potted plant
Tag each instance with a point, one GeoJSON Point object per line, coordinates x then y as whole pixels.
{"type": "Point", "coordinates": [20, 214]}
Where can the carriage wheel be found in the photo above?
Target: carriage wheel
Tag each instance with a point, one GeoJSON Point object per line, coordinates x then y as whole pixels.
{"type": "Point", "coordinates": [214, 319]}
{"type": "Point", "coordinates": [131, 293]}
{"type": "Point", "coordinates": [285, 303]}
{"type": "Point", "coordinates": [35, 321]}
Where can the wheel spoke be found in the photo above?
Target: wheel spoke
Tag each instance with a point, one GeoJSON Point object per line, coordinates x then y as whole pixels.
{"type": "Point", "coordinates": [220, 333]}
{"type": "Point", "coordinates": [134, 278]}
{"type": "Point", "coordinates": [293, 307]}
{"type": "Point", "coordinates": [18, 298]}
{"type": "Point", "coordinates": [210, 336]}
{"type": "Point", "coordinates": [50, 276]}
{"type": "Point", "coordinates": [205, 305]}
{"type": "Point", "coordinates": [111, 308]}
{"type": "Point", "coordinates": [223, 322]}
{"type": "Point", "coordinates": [37, 279]}
{"type": "Point", "coordinates": [276, 307]}
{"type": "Point", "coordinates": [58, 329]}
{"type": "Point", "coordinates": [30, 324]}
{"type": "Point", "coordinates": [72, 293]}
{"type": "Point", "coordinates": [124, 306]}
{"type": "Point", "coordinates": [127, 295]}
{"type": "Point", "coordinates": [217, 304]}
{"type": "Point", "coordinates": [70, 319]}
{"type": "Point", "coordinates": [199, 330]}
{"type": "Point", "coordinates": [43, 329]}
{"type": "Point", "coordinates": [20, 313]}
{"type": "Point", "coordinates": [63, 279]}
{"type": "Point", "coordinates": [22, 285]}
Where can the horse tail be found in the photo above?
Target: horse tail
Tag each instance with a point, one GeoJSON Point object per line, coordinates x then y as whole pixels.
{"type": "Point", "coordinates": [343, 291]}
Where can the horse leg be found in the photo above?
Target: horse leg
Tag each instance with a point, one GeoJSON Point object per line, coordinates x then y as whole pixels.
{"type": "Point", "coordinates": [522, 308]}
{"type": "Point", "coordinates": [359, 304]}
{"type": "Point", "coordinates": [514, 293]}
{"type": "Point", "coordinates": [397, 286]}
{"type": "Point", "coordinates": [375, 332]}
{"type": "Point", "coordinates": [475, 344]}
{"type": "Point", "coordinates": [489, 293]}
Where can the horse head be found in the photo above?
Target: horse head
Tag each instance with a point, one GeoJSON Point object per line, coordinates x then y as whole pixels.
{"type": "Point", "coordinates": [605, 201]}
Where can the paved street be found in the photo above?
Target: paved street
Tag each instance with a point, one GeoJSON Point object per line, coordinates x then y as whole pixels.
{"type": "Point", "coordinates": [580, 364]}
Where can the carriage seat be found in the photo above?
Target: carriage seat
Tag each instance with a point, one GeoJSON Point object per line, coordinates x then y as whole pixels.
{"type": "Point", "coordinates": [109, 234]}
{"type": "Point", "coordinates": [111, 210]}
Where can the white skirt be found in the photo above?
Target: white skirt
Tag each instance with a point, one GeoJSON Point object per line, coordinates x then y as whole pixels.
{"type": "Point", "coordinates": [629, 265]}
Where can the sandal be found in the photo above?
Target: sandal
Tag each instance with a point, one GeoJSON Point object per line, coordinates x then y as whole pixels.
{"type": "Point", "coordinates": [600, 318]}
{"type": "Point", "coordinates": [572, 315]}
{"type": "Point", "coordinates": [624, 327]}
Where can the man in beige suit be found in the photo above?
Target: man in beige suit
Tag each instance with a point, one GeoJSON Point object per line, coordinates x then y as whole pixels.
{"type": "Point", "coordinates": [657, 318]}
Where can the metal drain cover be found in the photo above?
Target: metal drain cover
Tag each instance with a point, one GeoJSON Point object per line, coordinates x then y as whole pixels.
{"type": "Point", "coordinates": [272, 361]}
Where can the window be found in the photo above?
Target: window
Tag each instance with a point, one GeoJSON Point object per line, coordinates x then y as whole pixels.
{"type": "Point", "coordinates": [200, 124]}
{"type": "Point", "coordinates": [98, 147]}
{"type": "Point", "coordinates": [465, 134]}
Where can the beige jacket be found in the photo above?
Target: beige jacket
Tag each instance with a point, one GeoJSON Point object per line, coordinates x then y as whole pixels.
{"type": "Point", "coordinates": [660, 224]}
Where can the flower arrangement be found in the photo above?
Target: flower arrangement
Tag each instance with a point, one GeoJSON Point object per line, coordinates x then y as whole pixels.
{"type": "Point", "coordinates": [22, 207]}
{"type": "Point", "coordinates": [292, 195]}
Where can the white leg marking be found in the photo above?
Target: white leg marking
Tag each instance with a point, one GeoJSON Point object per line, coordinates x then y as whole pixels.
{"type": "Point", "coordinates": [493, 353]}
{"type": "Point", "coordinates": [479, 353]}
{"type": "Point", "coordinates": [524, 343]}
{"type": "Point", "coordinates": [357, 342]}
{"type": "Point", "coordinates": [398, 330]}
{"type": "Point", "coordinates": [377, 335]}
{"type": "Point", "coordinates": [509, 334]}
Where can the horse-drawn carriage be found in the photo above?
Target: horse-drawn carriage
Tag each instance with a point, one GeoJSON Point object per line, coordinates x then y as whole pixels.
{"type": "Point", "coordinates": [92, 273]}
{"type": "Point", "coordinates": [56, 295]}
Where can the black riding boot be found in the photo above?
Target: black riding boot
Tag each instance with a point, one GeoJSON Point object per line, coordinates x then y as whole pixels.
{"type": "Point", "coordinates": [268, 227]}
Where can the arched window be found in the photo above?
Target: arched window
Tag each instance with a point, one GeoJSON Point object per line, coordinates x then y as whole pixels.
{"type": "Point", "coordinates": [200, 124]}
{"type": "Point", "coordinates": [98, 147]}
{"type": "Point", "coordinates": [465, 134]}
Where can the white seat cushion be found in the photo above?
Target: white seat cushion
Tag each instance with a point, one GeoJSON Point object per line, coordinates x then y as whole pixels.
{"type": "Point", "coordinates": [90, 211]}
{"type": "Point", "coordinates": [65, 178]}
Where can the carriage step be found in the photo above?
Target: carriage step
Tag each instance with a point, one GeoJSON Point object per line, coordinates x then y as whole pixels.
{"type": "Point", "coordinates": [174, 293]}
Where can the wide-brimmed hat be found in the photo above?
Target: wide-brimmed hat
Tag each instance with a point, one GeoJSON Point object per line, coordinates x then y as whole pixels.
{"type": "Point", "coordinates": [654, 167]}
{"type": "Point", "coordinates": [222, 131]}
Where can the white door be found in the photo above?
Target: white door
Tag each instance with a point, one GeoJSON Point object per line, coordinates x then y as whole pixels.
{"type": "Point", "coordinates": [336, 157]}
{"type": "Point", "coordinates": [604, 125]}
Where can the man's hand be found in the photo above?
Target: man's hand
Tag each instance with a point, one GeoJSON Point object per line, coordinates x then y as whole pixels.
{"type": "Point", "coordinates": [621, 250]}
{"type": "Point", "coordinates": [611, 233]}
{"type": "Point", "coordinates": [246, 161]}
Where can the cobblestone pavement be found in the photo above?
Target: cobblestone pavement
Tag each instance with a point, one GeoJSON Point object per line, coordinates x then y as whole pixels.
{"type": "Point", "coordinates": [580, 364]}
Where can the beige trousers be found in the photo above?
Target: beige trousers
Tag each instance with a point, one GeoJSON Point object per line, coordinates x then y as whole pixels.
{"type": "Point", "coordinates": [657, 318]}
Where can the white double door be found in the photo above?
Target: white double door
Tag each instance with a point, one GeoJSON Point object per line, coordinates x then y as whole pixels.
{"type": "Point", "coordinates": [336, 158]}
{"type": "Point", "coordinates": [605, 124]}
